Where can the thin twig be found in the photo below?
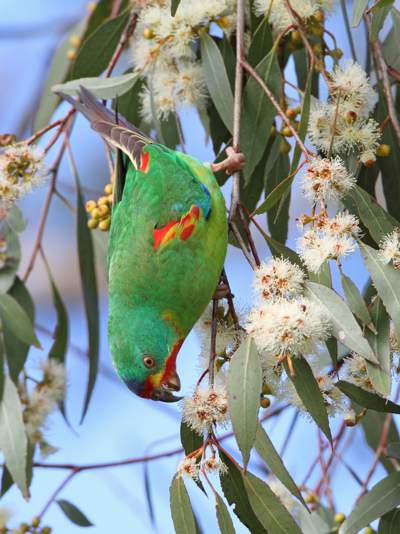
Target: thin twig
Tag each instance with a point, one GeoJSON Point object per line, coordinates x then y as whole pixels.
{"type": "Point", "coordinates": [211, 365]}
{"type": "Point", "coordinates": [348, 29]}
{"type": "Point", "coordinates": [242, 244]}
{"type": "Point", "coordinates": [235, 198]}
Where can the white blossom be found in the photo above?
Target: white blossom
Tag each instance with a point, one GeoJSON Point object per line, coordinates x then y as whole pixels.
{"type": "Point", "coordinates": [326, 179]}
{"type": "Point", "coordinates": [22, 168]}
{"type": "Point", "coordinates": [189, 468]}
{"type": "Point", "coordinates": [207, 406]}
{"type": "Point", "coordinates": [279, 14]}
{"type": "Point", "coordinates": [389, 248]}
{"type": "Point", "coordinates": [356, 372]}
{"type": "Point", "coordinates": [290, 327]}
{"type": "Point", "coordinates": [278, 278]}
{"type": "Point", "coordinates": [211, 464]}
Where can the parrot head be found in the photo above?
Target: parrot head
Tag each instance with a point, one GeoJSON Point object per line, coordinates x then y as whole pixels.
{"type": "Point", "coordinates": [144, 348]}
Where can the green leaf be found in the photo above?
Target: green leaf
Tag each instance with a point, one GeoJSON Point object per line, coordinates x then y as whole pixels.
{"type": "Point", "coordinates": [73, 513]}
{"type": "Point", "coordinates": [379, 13]}
{"type": "Point", "coordinates": [13, 440]}
{"type": "Point", "coordinates": [386, 280]}
{"type": "Point", "coordinates": [393, 450]}
{"type": "Point", "coordinates": [313, 523]}
{"type": "Point", "coordinates": [390, 523]}
{"type": "Point", "coordinates": [258, 113]}
{"type": "Point", "coordinates": [332, 346]}
{"type": "Point", "coordinates": [181, 509]}
{"type": "Point", "coordinates": [60, 65]}
{"type": "Point", "coordinates": [358, 10]}
{"type": "Point", "coordinates": [278, 216]}
{"type": "Point", "coordinates": [16, 320]}
{"type": "Point", "coordinates": [308, 390]}
{"type": "Point", "coordinates": [10, 268]}
{"type": "Point", "coordinates": [217, 79]}
{"type": "Point", "coordinates": [6, 481]}
{"type": "Point", "coordinates": [382, 498]}
{"type": "Point", "coordinates": [59, 347]}
{"type": "Point", "coordinates": [244, 389]}
{"type": "Point", "coordinates": [235, 493]}
{"type": "Point", "coordinates": [89, 289]}
{"type": "Point", "coordinates": [275, 195]}
{"type": "Point", "coordinates": [17, 350]}
{"type": "Point", "coordinates": [224, 519]}
{"type": "Point", "coordinates": [323, 276]}
{"type": "Point", "coordinates": [98, 49]}
{"type": "Point", "coordinates": [174, 6]}
{"type": "Point", "coordinates": [344, 326]}
{"type": "Point", "coordinates": [190, 439]}
{"type": "Point", "coordinates": [268, 508]}
{"type": "Point", "coordinates": [261, 43]}
{"type": "Point", "coordinates": [100, 87]}
{"type": "Point", "coordinates": [369, 400]}
{"type": "Point", "coordinates": [267, 451]}
{"type": "Point", "coordinates": [380, 376]}
{"type": "Point", "coordinates": [102, 12]}
{"type": "Point", "coordinates": [304, 119]}
{"type": "Point", "coordinates": [128, 104]}
{"type": "Point", "coordinates": [15, 219]}
{"type": "Point", "coordinates": [390, 51]}
{"type": "Point", "coordinates": [354, 299]}
{"type": "Point", "coordinates": [372, 424]}
{"type": "Point", "coordinates": [374, 217]}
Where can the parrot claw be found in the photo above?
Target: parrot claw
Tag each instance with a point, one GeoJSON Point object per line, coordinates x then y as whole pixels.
{"type": "Point", "coordinates": [233, 163]}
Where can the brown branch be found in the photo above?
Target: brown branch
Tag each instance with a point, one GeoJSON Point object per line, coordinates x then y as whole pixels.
{"type": "Point", "coordinates": [127, 34]}
{"type": "Point", "coordinates": [278, 108]}
{"type": "Point", "coordinates": [39, 133]}
{"type": "Point", "coordinates": [235, 197]}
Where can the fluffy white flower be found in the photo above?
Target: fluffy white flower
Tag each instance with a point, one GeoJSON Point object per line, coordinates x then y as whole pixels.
{"type": "Point", "coordinates": [205, 408]}
{"type": "Point", "coordinates": [350, 85]}
{"type": "Point", "coordinates": [190, 85]}
{"type": "Point", "coordinates": [278, 278]}
{"type": "Point", "coordinates": [320, 125]}
{"type": "Point", "coordinates": [22, 167]}
{"type": "Point", "coordinates": [212, 464]}
{"type": "Point", "coordinates": [326, 179]}
{"type": "Point", "coordinates": [288, 327]}
{"type": "Point", "coordinates": [331, 239]}
{"type": "Point", "coordinates": [389, 248]}
{"type": "Point", "coordinates": [361, 134]}
{"type": "Point", "coordinates": [280, 16]}
{"type": "Point", "coordinates": [189, 468]}
{"type": "Point", "coordinates": [356, 372]}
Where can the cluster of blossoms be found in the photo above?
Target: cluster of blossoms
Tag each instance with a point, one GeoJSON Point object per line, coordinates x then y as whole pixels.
{"type": "Point", "coordinates": [283, 322]}
{"type": "Point", "coordinates": [341, 125]}
{"type": "Point", "coordinates": [389, 249]}
{"type": "Point", "coordinates": [190, 467]}
{"type": "Point", "coordinates": [41, 401]}
{"type": "Point", "coordinates": [164, 51]}
{"type": "Point", "coordinates": [328, 239]}
{"type": "Point", "coordinates": [205, 408]}
{"type": "Point", "coordinates": [280, 16]}
{"type": "Point", "coordinates": [21, 168]}
{"type": "Point", "coordinates": [356, 372]}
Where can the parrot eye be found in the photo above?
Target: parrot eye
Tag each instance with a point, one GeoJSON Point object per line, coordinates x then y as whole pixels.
{"type": "Point", "coordinates": [148, 362]}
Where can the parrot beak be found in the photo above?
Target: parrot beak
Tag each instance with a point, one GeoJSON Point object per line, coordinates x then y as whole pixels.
{"type": "Point", "coordinates": [164, 392]}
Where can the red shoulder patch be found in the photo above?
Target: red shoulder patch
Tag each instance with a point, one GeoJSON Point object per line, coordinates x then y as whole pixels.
{"type": "Point", "coordinates": [144, 161]}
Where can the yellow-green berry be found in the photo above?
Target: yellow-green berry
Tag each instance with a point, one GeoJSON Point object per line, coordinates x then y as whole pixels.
{"type": "Point", "coordinates": [93, 223]}
{"type": "Point", "coordinates": [71, 54]}
{"type": "Point", "coordinates": [95, 213]}
{"type": "Point", "coordinates": [383, 151]}
{"type": "Point", "coordinates": [90, 205]}
{"type": "Point", "coordinates": [36, 522]}
{"type": "Point", "coordinates": [104, 225]}
{"type": "Point", "coordinates": [108, 189]}
{"type": "Point", "coordinates": [75, 40]}
{"type": "Point", "coordinates": [339, 518]}
{"type": "Point", "coordinates": [104, 210]}
{"type": "Point", "coordinates": [296, 37]}
{"type": "Point", "coordinates": [148, 33]}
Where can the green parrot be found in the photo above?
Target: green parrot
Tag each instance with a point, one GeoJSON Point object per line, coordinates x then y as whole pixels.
{"type": "Point", "coordinates": [167, 245]}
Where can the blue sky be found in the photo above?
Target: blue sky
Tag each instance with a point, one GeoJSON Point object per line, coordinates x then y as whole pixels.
{"type": "Point", "coordinates": [118, 425]}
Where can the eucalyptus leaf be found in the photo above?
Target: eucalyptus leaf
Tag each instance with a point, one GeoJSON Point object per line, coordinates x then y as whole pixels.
{"type": "Point", "coordinates": [393, 450]}
{"type": "Point", "coordinates": [268, 453]}
{"type": "Point", "coordinates": [244, 389]}
{"type": "Point", "coordinates": [174, 6]}
{"type": "Point", "coordinates": [13, 439]}
{"type": "Point", "coordinates": [344, 326]}
{"type": "Point", "coordinates": [100, 87]}
{"type": "Point", "coordinates": [372, 424]}
{"type": "Point", "coordinates": [308, 390]}
{"type": "Point", "coordinates": [382, 498]}
{"type": "Point", "coordinates": [369, 400]}
{"type": "Point", "coordinates": [390, 522]}
{"type": "Point", "coordinates": [181, 509]}
{"type": "Point", "coordinates": [59, 347]}
{"type": "Point", "coordinates": [224, 519]}
{"type": "Point", "coordinates": [381, 377]}
{"type": "Point", "coordinates": [16, 320]}
{"type": "Point", "coordinates": [217, 79]}
{"type": "Point", "coordinates": [354, 299]}
{"type": "Point", "coordinates": [73, 513]}
{"type": "Point", "coordinates": [261, 43]}
{"type": "Point", "coordinates": [359, 7]}
{"type": "Point", "coordinates": [13, 258]}
{"type": "Point", "coordinates": [268, 508]}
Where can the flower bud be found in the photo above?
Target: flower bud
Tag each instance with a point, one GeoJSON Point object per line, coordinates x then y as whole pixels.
{"type": "Point", "coordinates": [383, 151]}
{"type": "Point", "coordinates": [90, 205]}
{"type": "Point", "coordinates": [102, 200]}
{"type": "Point", "coordinates": [36, 522]}
{"type": "Point", "coordinates": [319, 16]}
{"type": "Point", "coordinates": [351, 116]}
{"type": "Point", "coordinates": [75, 40]}
{"type": "Point", "coordinates": [339, 518]}
{"type": "Point", "coordinates": [286, 131]}
{"type": "Point", "coordinates": [108, 189]}
{"type": "Point", "coordinates": [265, 402]}
{"type": "Point", "coordinates": [296, 37]}
{"type": "Point", "coordinates": [104, 225]}
{"type": "Point", "coordinates": [71, 54]}
{"type": "Point", "coordinates": [104, 210]}
{"type": "Point", "coordinates": [148, 33]}
{"type": "Point", "coordinates": [92, 224]}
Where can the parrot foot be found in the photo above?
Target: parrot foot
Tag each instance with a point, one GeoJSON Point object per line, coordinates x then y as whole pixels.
{"type": "Point", "coordinates": [233, 163]}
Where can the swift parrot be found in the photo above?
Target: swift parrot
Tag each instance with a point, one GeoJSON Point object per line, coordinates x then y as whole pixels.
{"type": "Point", "coordinates": [167, 245]}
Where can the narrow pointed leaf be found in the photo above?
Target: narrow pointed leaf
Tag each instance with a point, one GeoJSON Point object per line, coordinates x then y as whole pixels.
{"type": "Point", "coordinates": [308, 390]}
{"type": "Point", "coordinates": [390, 523]}
{"type": "Point", "coordinates": [359, 7]}
{"type": "Point", "coordinates": [190, 439]}
{"type": "Point", "coordinates": [381, 377]}
{"type": "Point", "coordinates": [174, 6]}
{"type": "Point", "coordinates": [244, 388]}
{"type": "Point", "coordinates": [235, 493]}
{"type": "Point", "coordinates": [100, 87]}
{"type": "Point", "coordinates": [89, 290]}
{"type": "Point", "coordinates": [372, 424]}
{"type": "Point", "coordinates": [344, 326]}
{"type": "Point", "coordinates": [17, 350]}
{"type": "Point", "coordinates": [98, 49]}
{"type": "Point", "coordinates": [217, 79]}
{"type": "Point", "coordinates": [17, 320]}
{"type": "Point", "coordinates": [13, 440]}
{"type": "Point", "coordinates": [73, 513]}
{"type": "Point", "coordinates": [313, 523]}
{"type": "Point", "coordinates": [393, 450]}
{"type": "Point", "coordinates": [386, 280]}
{"type": "Point", "coordinates": [58, 349]}
{"type": "Point", "coordinates": [223, 517]}
{"type": "Point", "coordinates": [269, 454]}
{"type": "Point", "coordinates": [268, 508]}
{"type": "Point", "coordinates": [367, 399]}
{"type": "Point", "coordinates": [382, 498]}
{"type": "Point", "coordinates": [354, 299]}
{"type": "Point", "coordinates": [181, 509]}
